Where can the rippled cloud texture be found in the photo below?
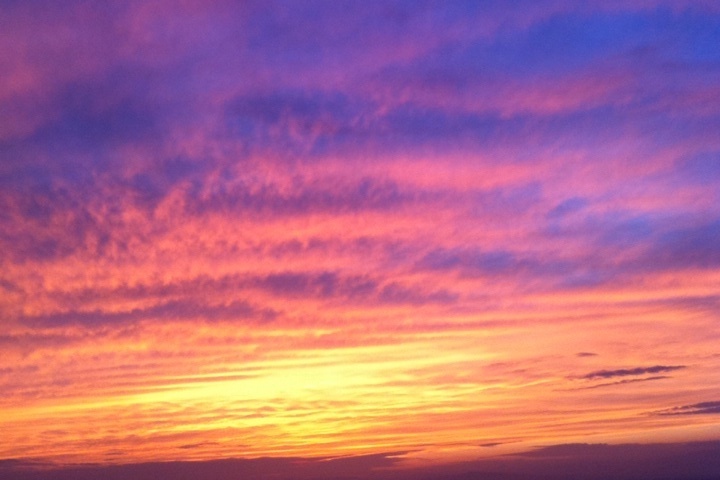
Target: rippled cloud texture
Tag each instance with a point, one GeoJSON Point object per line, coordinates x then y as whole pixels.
{"type": "Point", "coordinates": [400, 232]}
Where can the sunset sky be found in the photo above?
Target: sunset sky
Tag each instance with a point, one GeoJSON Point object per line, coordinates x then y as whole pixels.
{"type": "Point", "coordinates": [358, 237]}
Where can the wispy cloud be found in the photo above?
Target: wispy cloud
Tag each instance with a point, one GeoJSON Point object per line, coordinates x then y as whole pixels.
{"type": "Point", "coordinates": [694, 409]}
{"type": "Point", "coordinates": [624, 372]}
{"type": "Point", "coordinates": [624, 382]}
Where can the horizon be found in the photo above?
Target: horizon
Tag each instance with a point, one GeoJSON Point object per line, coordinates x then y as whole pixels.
{"type": "Point", "coordinates": [379, 239]}
{"type": "Point", "coordinates": [694, 460]}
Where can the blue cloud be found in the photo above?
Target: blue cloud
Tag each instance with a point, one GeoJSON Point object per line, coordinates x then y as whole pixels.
{"type": "Point", "coordinates": [695, 247]}
{"type": "Point", "coordinates": [702, 168]}
{"type": "Point", "coordinates": [567, 207]}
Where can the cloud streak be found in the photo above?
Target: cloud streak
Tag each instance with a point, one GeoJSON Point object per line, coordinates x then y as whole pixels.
{"type": "Point", "coordinates": [694, 409]}
{"type": "Point", "coordinates": [624, 372]}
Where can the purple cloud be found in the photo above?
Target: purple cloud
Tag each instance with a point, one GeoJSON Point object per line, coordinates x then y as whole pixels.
{"type": "Point", "coordinates": [623, 372]}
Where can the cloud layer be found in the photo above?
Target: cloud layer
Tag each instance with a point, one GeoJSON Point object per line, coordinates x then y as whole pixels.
{"type": "Point", "coordinates": [317, 229]}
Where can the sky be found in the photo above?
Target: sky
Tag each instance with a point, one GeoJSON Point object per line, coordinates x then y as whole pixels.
{"type": "Point", "coordinates": [348, 239]}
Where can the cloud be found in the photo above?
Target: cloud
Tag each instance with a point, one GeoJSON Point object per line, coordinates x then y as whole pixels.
{"type": "Point", "coordinates": [175, 310]}
{"type": "Point", "coordinates": [361, 289]}
{"type": "Point", "coordinates": [690, 247]}
{"type": "Point", "coordinates": [28, 342]}
{"type": "Point", "coordinates": [567, 207]}
{"type": "Point", "coordinates": [192, 294]}
{"type": "Point", "coordinates": [299, 121]}
{"type": "Point", "coordinates": [196, 445]}
{"type": "Point", "coordinates": [623, 382]}
{"type": "Point", "coordinates": [694, 409]}
{"type": "Point", "coordinates": [701, 168]}
{"type": "Point", "coordinates": [270, 200]}
{"type": "Point", "coordinates": [634, 245]}
{"type": "Point", "coordinates": [394, 293]}
{"type": "Point", "coordinates": [9, 286]}
{"type": "Point", "coordinates": [631, 371]}
{"type": "Point", "coordinates": [526, 269]}
{"type": "Point", "coordinates": [92, 119]}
